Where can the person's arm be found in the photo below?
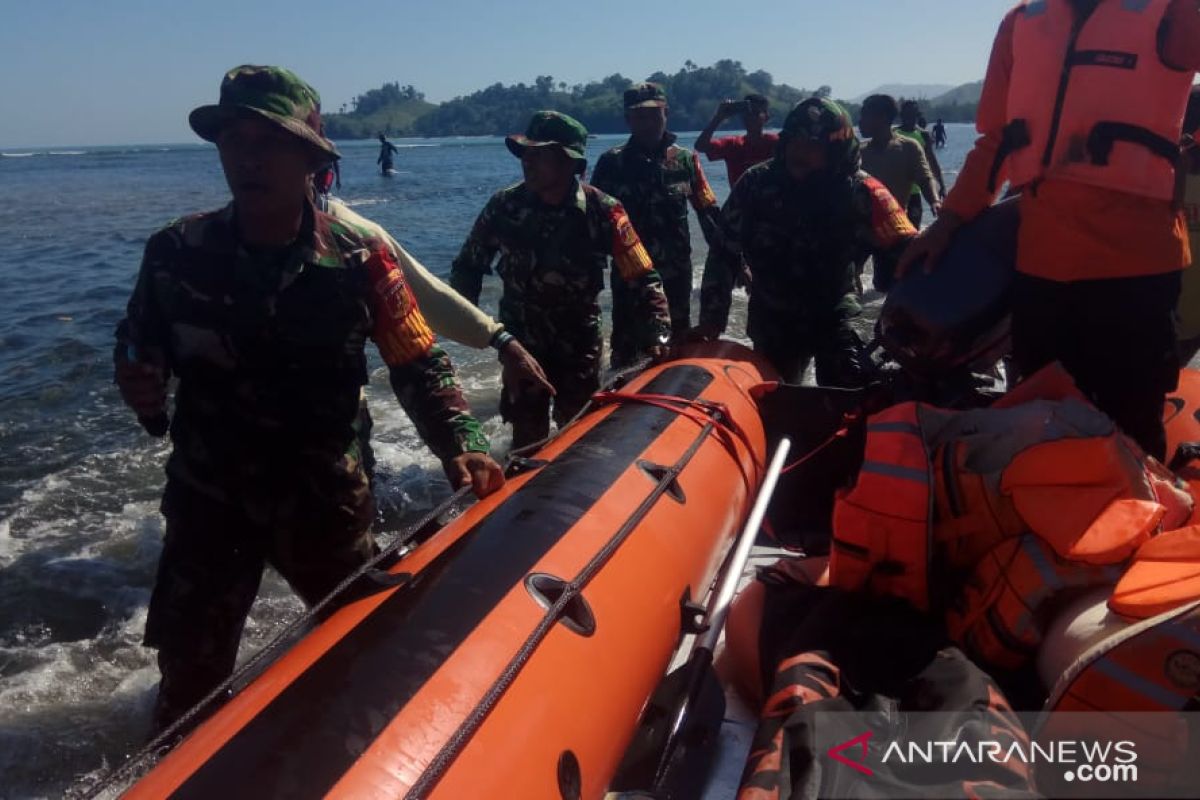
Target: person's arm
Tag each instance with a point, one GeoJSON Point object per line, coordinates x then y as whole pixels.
{"type": "Point", "coordinates": [704, 203]}
{"type": "Point", "coordinates": [337, 174]}
{"type": "Point", "coordinates": [923, 177]}
{"type": "Point", "coordinates": [475, 259]}
{"type": "Point", "coordinates": [884, 230]}
{"type": "Point", "coordinates": [633, 264]}
{"type": "Point", "coordinates": [704, 143]}
{"type": "Point", "coordinates": [716, 286]}
{"type": "Point", "coordinates": [141, 362]}
{"type": "Point", "coordinates": [934, 166]}
{"type": "Point", "coordinates": [1179, 42]}
{"type": "Point", "coordinates": [424, 380]}
{"type": "Point", "coordinates": [973, 191]}
{"type": "Point", "coordinates": [447, 311]}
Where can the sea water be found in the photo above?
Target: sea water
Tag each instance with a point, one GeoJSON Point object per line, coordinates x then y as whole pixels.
{"type": "Point", "coordinates": [80, 481]}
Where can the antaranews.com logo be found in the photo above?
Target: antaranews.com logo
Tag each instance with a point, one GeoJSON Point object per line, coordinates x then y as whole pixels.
{"type": "Point", "coordinates": [949, 755]}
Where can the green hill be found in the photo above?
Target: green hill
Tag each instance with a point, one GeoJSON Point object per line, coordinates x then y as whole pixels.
{"type": "Point", "coordinates": [391, 109]}
{"type": "Point", "coordinates": [693, 92]}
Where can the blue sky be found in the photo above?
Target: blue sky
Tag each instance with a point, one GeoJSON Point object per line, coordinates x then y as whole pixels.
{"type": "Point", "coordinates": [128, 71]}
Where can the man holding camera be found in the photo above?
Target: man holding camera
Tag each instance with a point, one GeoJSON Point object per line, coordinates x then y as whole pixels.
{"type": "Point", "coordinates": [740, 153]}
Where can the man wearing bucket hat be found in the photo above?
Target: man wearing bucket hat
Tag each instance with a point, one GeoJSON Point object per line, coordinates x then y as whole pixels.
{"type": "Point", "coordinates": [555, 234]}
{"type": "Point", "coordinates": [261, 311]}
{"type": "Point", "coordinates": [800, 220]}
{"type": "Point", "coordinates": [655, 179]}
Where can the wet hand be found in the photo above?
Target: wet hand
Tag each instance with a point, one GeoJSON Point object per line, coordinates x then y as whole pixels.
{"type": "Point", "coordinates": [521, 372]}
{"type": "Point", "coordinates": [477, 470]}
{"type": "Point", "coordinates": [929, 245]}
{"type": "Point", "coordinates": [143, 387]}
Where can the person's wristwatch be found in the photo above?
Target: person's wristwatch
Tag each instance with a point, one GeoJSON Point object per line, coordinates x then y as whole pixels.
{"type": "Point", "coordinates": [500, 340]}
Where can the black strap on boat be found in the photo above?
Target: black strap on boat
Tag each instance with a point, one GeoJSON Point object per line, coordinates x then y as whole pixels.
{"type": "Point", "coordinates": [462, 736]}
{"type": "Point", "coordinates": [1015, 136]}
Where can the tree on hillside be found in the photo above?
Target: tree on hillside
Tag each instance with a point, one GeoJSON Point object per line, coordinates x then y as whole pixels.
{"type": "Point", "coordinates": [693, 92]}
{"type": "Point", "coordinates": [761, 81]}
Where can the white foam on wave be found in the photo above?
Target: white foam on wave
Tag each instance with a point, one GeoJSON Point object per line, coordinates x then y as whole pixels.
{"type": "Point", "coordinates": [372, 201]}
{"type": "Point", "coordinates": [17, 155]}
{"type": "Point", "coordinates": [67, 152]}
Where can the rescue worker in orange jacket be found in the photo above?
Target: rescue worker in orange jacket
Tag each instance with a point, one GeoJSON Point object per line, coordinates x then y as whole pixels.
{"type": "Point", "coordinates": [1081, 111]}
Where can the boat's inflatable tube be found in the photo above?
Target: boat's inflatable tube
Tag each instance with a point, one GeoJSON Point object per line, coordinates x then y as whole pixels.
{"type": "Point", "coordinates": [957, 315]}
{"type": "Point", "coordinates": [516, 658]}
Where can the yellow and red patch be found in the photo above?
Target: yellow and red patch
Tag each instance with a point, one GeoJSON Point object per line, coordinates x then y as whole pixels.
{"type": "Point", "coordinates": [629, 254]}
{"type": "Point", "coordinates": [890, 224]}
{"type": "Point", "coordinates": [401, 331]}
{"type": "Point", "coordinates": [704, 193]}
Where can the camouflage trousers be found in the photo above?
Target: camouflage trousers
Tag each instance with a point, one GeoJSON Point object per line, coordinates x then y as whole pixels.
{"type": "Point", "coordinates": [572, 363]}
{"type": "Point", "coordinates": [208, 576]}
{"type": "Point", "coordinates": [624, 343]}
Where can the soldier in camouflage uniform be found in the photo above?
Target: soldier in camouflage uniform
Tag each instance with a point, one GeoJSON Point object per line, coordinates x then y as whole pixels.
{"type": "Point", "coordinates": [555, 234]}
{"type": "Point", "coordinates": [262, 310]}
{"type": "Point", "coordinates": [800, 220]}
{"type": "Point", "coordinates": [655, 179]}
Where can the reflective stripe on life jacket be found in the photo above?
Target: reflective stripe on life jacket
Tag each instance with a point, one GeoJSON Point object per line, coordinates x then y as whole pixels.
{"type": "Point", "coordinates": [1091, 101]}
{"type": "Point", "coordinates": [881, 526]}
{"type": "Point", "coordinates": [1005, 606]}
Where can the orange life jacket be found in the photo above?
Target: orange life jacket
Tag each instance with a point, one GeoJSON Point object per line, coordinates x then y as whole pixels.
{"type": "Point", "coordinates": [990, 516]}
{"type": "Point", "coordinates": [1091, 101]}
{"type": "Point", "coordinates": [881, 527]}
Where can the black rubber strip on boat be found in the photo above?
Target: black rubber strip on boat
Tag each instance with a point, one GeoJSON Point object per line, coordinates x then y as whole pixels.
{"type": "Point", "coordinates": [308, 737]}
{"type": "Point", "coordinates": [470, 726]}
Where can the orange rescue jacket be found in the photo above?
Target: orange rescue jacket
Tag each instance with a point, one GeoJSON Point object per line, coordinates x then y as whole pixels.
{"type": "Point", "coordinates": [1091, 101]}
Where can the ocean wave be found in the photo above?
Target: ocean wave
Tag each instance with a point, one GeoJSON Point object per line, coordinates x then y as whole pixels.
{"type": "Point", "coordinates": [67, 152]}
{"type": "Point", "coordinates": [371, 201]}
{"type": "Point", "coordinates": [17, 155]}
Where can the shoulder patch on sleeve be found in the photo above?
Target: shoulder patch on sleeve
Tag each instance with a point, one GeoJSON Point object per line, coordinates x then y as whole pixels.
{"type": "Point", "coordinates": [628, 252]}
{"type": "Point", "coordinates": [401, 331]}
{"type": "Point", "coordinates": [889, 222]}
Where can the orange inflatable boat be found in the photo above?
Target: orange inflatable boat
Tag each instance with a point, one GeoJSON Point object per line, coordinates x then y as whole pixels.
{"type": "Point", "coordinates": [516, 655]}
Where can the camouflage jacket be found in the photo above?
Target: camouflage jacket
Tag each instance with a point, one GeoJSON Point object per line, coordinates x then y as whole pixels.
{"type": "Point", "coordinates": [270, 356]}
{"type": "Point", "coordinates": [801, 241]}
{"type": "Point", "coordinates": [655, 189]}
{"type": "Point", "coordinates": [552, 261]}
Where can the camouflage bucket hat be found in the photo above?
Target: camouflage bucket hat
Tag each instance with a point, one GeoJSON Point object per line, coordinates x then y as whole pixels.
{"type": "Point", "coordinates": [645, 95]}
{"type": "Point", "coordinates": [819, 119]}
{"type": "Point", "coordinates": [551, 129]}
{"type": "Point", "coordinates": [272, 93]}
{"type": "Point", "coordinates": [822, 120]}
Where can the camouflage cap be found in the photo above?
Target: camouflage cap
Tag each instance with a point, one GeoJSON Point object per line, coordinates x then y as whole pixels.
{"type": "Point", "coordinates": [271, 93]}
{"type": "Point", "coordinates": [551, 129]}
{"type": "Point", "coordinates": [818, 119]}
{"type": "Point", "coordinates": [645, 95]}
